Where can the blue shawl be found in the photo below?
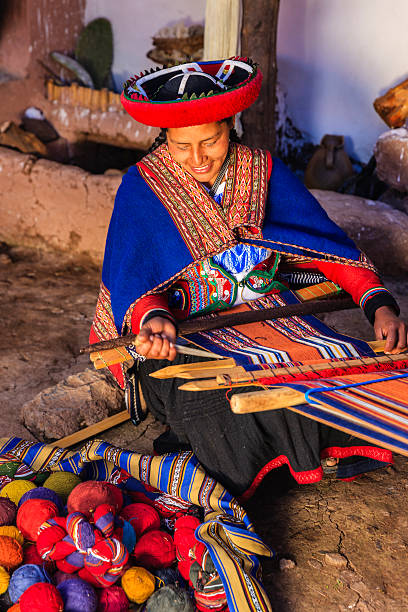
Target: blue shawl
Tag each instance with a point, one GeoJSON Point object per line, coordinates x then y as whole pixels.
{"type": "Point", "coordinates": [145, 251]}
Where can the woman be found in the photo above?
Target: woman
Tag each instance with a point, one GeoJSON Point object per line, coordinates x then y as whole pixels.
{"type": "Point", "coordinates": [201, 224]}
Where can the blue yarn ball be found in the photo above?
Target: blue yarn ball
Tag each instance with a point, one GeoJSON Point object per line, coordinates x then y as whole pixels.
{"type": "Point", "coordinates": [78, 595]}
{"type": "Point", "coordinates": [23, 577]}
{"type": "Point", "coordinates": [43, 493]}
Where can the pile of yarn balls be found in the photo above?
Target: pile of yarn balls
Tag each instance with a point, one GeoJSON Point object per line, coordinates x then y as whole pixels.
{"type": "Point", "coordinates": [89, 546]}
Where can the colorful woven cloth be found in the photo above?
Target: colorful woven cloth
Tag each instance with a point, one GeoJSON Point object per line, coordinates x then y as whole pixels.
{"type": "Point", "coordinates": [227, 531]}
{"type": "Point", "coordinates": [300, 339]}
{"type": "Point", "coordinates": [374, 411]}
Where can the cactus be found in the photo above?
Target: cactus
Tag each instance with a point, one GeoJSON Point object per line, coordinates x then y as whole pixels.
{"type": "Point", "coordinates": [94, 50]}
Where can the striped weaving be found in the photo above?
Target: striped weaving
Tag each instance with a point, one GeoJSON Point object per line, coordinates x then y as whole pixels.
{"type": "Point", "coordinates": [227, 530]}
{"type": "Point", "coordinates": [375, 411]}
{"type": "Point", "coordinates": [300, 339]}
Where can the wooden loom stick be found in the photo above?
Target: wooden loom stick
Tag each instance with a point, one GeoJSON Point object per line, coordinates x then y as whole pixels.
{"type": "Point", "coordinates": [208, 369]}
{"type": "Point", "coordinates": [198, 324]}
{"type": "Point", "coordinates": [93, 430]}
{"type": "Point", "coordinates": [238, 377]}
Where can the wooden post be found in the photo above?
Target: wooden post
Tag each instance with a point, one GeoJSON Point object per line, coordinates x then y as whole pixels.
{"type": "Point", "coordinates": [258, 41]}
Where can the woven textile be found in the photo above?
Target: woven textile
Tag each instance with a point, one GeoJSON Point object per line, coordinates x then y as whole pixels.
{"type": "Point", "coordinates": [375, 411]}
{"type": "Point", "coordinates": [227, 530]}
{"type": "Point", "coordinates": [300, 339]}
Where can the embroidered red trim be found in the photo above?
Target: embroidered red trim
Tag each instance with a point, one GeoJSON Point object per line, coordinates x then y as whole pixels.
{"type": "Point", "coordinates": [310, 476]}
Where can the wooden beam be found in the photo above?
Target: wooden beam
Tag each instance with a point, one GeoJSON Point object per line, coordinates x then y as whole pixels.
{"type": "Point", "coordinates": [258, 41]}
{"type": "Point", "coordinates": [93, 430]}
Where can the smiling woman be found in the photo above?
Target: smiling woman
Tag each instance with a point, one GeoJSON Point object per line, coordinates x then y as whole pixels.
{"type": "Point", "coordinates": [201, 149]}
{"type": "Point", "coordinates": [201, 224]}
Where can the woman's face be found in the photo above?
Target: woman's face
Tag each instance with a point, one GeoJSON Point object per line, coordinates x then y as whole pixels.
{"type": "Point", "coordinates": [200, 149]}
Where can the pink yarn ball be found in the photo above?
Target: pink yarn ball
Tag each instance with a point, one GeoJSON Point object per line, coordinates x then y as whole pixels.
{"type": "Point", "coordinates": [113, 599]}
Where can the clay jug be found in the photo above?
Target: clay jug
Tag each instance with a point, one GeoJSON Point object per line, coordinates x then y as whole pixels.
{"type": "Point", "coordinates": [329, 165]}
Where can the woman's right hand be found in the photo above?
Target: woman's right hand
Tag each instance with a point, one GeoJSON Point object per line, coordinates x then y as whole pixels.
{"type": "Point", "coordinates": [156, 339]}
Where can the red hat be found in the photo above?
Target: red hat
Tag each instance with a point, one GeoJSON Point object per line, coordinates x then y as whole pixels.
{"type": "Point", "coordinates": [192, 93]}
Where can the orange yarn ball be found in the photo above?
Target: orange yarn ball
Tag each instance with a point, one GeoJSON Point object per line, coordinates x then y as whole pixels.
{"type": "Point", "coordinates": [15, 608]}
{"type": "Point", "coordinates": [11, 553]}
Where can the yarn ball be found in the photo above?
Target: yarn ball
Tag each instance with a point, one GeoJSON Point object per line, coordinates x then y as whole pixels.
{"type": "Point", "coordinates": [113, 599]}
{"type": "Point", "coordinates": [43, 493]}
{"type": "Point", "coordinates": [169, 575]}
{"type": "Point", "coordinates": [171, 599]}
{"type": "Point", "coordinates": [9, 468]}
{"type": "Point", "coordinates": [31, 555]}
{"type": "Point", "coordinates": [4, 580]}
{"type": "Point", "coordinates": [40, 597]}
{"type": "Point", "coordinates": [15, 608]}
{"type": "Point", "coordinates": [89, 495]}
{"type": "Point", "coordinates": [32, 514]}
{"type": "Point", "coordinates": [13, 532]}
{"type": "Point", "coordinates": [62, 483]}
{"type": "Point", "coordinates": [78, 595]}
{"type": "Point", "coordinates": [184, 538]}
{"type": "Point", "coordinates": [155, 549]}
{"type": "Point", "coordinates": [23, 577]}
{"type": "Point", "coordinates": [117, 494]}
{"type": "Point", "coordinates": [8, 511]}
{"type": "Point", "coordinates": [11, 553]}
{"type": "Point", "coordinates": [59, 577]}
{"type": "Point", "coordinates": [142, 517]}
{"type": "Point", "coordinates": [15, 490]}
{"type": "Point", "coordinates": [138, 584]}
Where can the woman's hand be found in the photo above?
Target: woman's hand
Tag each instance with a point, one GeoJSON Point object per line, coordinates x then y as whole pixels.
{"type": "Point", "coordinates": [387, 325]}
{"type": "Point", "coordinates": [156, 339]}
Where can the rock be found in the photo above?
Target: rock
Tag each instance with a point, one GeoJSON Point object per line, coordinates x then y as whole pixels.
{"type": "Point", "coordinates": [335, 559]}
{"type": "Point", "coordinates": [315, 563]}
{"type": "Point", "coordinates": [391, 154]}
{"type": "Point", "coordinates": [5, 259]}
{"type": "Point", "coordinates": [377, 229]}
{"type": "Point", "coordinates": [76, 402]}
{"type": "Point", "coordinates": [286, 564]}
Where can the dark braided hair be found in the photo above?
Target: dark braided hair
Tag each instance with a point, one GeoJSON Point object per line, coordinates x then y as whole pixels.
{"type": "Point", "coordinates": [162, 137]}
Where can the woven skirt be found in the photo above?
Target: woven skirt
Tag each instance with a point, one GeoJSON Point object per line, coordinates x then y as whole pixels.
{"type": "Point", "coordinates": [238, 450]}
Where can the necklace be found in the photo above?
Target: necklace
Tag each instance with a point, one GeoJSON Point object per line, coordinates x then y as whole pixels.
{"type": "Point", "coordinates": [220, 176]}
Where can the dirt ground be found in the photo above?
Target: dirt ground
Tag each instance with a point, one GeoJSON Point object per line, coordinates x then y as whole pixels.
{"type": "Point", "coordinates": [341, 546]}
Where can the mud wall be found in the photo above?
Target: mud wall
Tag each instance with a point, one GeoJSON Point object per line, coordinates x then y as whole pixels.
{"type": "Point", "coordinates": [55, 206]}
{"type": "Point", "coordinates": [50, 205]}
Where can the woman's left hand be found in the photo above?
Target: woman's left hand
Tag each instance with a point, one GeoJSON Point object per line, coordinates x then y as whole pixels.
{"type": "Point", "coordinates": [390, 327]}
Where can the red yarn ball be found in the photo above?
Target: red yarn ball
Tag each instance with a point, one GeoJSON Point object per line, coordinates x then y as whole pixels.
{"type": "Point", "coordinates": [32, 514]}
{"type": "Point", "coordinates": [184, 537]}
{"type": "Point", "coordinates": [40, 597]}
{"type": "Point", "coordinates": [113, 599]}
{"type": "Point", "coordinates": [87, 496]}
{"type": "Point", "coordinates": [155, 549]}
{"type": "Point", "coordinates": [142, 517]}
{"type": "Point", "coordinates": [8, 511]}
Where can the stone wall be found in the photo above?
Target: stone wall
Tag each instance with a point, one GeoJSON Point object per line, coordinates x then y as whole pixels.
{"type": "Point", "coordinates": [55, 206]}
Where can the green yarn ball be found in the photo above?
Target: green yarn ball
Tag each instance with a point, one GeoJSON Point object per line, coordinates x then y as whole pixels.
{"type": "Point", "coordinates": [62, 483]}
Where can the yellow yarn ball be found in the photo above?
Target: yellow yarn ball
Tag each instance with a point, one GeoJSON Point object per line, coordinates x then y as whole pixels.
{"type": "Point", "coordinates": [4, 580]}
{"type": "Point", "coordinates": [138, 584]}
{"type": "Point", "coordinates": [62, 483]}
{"type": "Point", "coordinates": [15, 489]}
{"type": "Point", "coordinates": [13, 532]}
